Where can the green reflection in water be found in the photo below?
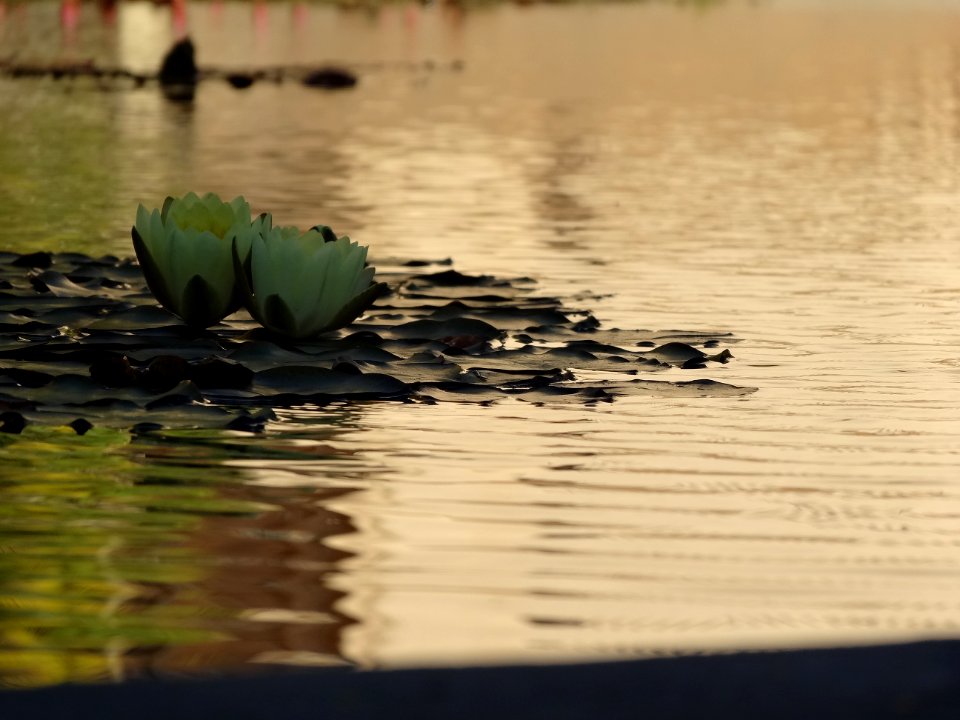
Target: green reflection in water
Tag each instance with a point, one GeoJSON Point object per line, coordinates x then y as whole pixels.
{"type": "Point", "coordinates": [58, 166]}
{"type": "Point", "coordinates": [90, 536]}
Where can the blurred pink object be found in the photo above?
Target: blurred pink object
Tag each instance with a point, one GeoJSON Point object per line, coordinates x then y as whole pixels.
{"type": "Point", "coordinates": [178, 9]}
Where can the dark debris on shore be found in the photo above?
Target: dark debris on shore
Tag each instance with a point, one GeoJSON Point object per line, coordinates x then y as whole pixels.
{"type": "Point", "coordinates": [179, 72]}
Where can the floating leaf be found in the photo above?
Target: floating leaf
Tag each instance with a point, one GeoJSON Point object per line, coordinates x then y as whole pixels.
{"type": "Point", "coordinates": [312, 382]}
{"type": "Point", "coordinates": [83, 345]}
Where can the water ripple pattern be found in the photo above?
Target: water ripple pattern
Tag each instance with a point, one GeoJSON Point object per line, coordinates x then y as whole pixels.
{"type": "Point", "coordinates": [783, 171]}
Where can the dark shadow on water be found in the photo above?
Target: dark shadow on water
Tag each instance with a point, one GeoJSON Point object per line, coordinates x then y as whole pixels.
{"type": "Point", "coordinates": [906, 681]}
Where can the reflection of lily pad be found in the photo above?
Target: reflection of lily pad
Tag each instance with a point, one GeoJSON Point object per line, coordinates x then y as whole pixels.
{"type": "Point", "coordinates": [82, 339]}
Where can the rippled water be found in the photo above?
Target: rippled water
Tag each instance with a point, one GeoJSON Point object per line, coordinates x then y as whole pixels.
{"type": "Point", "coordinates": [786, 171]}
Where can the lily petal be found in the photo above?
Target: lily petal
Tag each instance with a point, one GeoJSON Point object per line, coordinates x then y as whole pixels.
{"type": "Point", "coordinates": [357, 306]}
{"type": "Point", "coordinates": [199, 303]}
{"type": "Point", "coordinates": [155, 279]}
{"type": "Point", "coordinates": [278, 317]}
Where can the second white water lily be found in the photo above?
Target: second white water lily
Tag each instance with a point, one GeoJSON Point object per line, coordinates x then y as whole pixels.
{"type": "Point", "coordinates": [303, 284]}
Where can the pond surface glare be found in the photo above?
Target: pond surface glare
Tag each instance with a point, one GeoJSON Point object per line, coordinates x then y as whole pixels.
{"type": "Point", "coordinates": [788, 172]}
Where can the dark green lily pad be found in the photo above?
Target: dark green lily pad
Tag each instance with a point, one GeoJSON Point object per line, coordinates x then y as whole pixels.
{"type": "Point", "coordinates": [437, 329]}
{"type": "Point", "coordinates": [84, 344]}
{"type": "Point", "coordinates": [308, 382]}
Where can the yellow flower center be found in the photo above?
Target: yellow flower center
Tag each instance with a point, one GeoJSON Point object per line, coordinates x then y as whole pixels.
{"type": "Point", "coordinates": [203, 218]}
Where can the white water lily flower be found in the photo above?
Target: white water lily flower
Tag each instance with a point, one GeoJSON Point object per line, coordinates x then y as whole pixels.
{"type": "Point", "coordinates": [185, 251]}
{"type": "Point", "coordinates": [303, 284]}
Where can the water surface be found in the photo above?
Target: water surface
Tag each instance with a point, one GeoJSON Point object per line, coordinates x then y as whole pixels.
{"type": "Point", "coordinates": [785, 171]}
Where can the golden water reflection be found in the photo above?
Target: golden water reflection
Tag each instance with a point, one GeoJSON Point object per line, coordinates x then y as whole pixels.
{"type": "Point", "coordinates": [784, 171]}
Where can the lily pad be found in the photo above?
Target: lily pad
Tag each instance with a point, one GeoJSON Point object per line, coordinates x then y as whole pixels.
{"type": "Point", "coordinates": [300, 382]}
{"type": "Point", "coordinates": [83, 344]}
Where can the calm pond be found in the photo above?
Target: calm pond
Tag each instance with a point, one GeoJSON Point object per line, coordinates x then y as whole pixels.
{"type": "Point", "coordinates": [787, 172]}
